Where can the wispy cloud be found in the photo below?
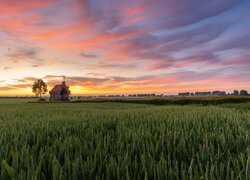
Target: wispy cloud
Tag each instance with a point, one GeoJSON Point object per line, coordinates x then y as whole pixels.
{"type": "Point", "coordinates": [22, 55]}
{"type": "Point", "coordinates": [88, 55]}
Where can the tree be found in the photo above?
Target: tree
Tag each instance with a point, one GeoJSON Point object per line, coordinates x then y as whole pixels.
{"type": "Point", "coordinates": [236, 92]}
{"type": "Point", "coordinates": [39, 87]}
{"type": "Point", "coordinates": [243, 92]}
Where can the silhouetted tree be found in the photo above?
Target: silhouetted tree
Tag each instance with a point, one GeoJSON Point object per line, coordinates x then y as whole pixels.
{"type": "Point", "coordinates": [236, 92]}
{"type": "Point", "coordinates": [39, 87]}
{"type": "Point", "coordinates": [243, 92]}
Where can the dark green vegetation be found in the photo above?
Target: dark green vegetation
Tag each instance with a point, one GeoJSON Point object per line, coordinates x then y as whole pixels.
{"type": "Point", "coordinates": [111, 140]}
{"type": "Point", "coordinates": [212, 100]}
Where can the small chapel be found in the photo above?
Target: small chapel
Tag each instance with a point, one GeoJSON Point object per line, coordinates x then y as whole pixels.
{"type": "Point", "coordinates": [60, 92]}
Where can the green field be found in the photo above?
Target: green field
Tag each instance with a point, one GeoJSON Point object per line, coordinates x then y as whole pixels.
{"type": "Point", "coordinates": [211, 100]}
{"type": "Point", "coordinates": [113, 140]}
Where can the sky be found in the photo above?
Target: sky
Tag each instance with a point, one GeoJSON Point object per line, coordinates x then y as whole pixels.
{"type": "Point", "coordinates": [125, 47]}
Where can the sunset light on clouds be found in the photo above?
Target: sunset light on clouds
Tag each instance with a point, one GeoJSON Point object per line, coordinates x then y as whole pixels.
{"type": "Point", "coordinates": [122, 47]}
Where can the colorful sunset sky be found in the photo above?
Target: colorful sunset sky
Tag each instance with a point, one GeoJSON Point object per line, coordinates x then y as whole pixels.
{"type": "Point", "coordinates": [125, 46]}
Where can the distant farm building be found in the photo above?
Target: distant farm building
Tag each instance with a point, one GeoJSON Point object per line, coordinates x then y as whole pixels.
{"type": "Point", "coordinates": [60, 92]}
{"type": "Point", "coordinates": [203, 93]}
{"type": "Point", "coordinates": [184, 94]}
{"type": "Point", "coordinates": [218, 93]}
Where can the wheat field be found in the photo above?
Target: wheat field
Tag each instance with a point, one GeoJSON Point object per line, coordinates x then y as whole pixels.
{"type": "Point", "coordinates": [123, 141]}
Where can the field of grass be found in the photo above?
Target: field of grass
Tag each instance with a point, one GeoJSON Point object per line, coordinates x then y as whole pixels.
{"type": "Point", "coordinates": [113, 140]}
{"type": "Point", "coordinates": [211, 100]}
